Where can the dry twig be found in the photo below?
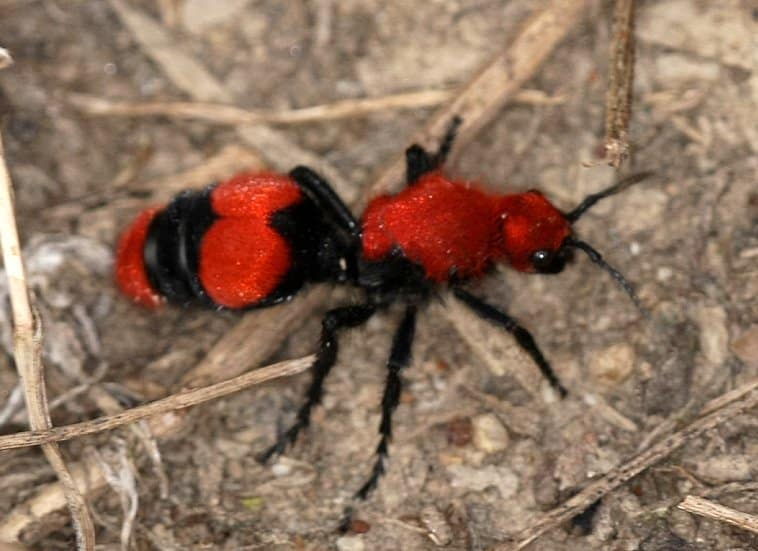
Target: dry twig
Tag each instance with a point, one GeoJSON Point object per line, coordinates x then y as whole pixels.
{"type": "Point", "coordinates": [618, 100]}
{"type": "Point", "coordinates": [28, 357]}
{"type": "Point", "coordinates": [180, 400]}
{"type": "Point", "coordinates": [740, 400]}
{"type": "Point", "coordinates": [709, 509]}
{"type": "Point", "coordinates": [236, 116]}
{"type": "Point", "coordinates": [229, 114]}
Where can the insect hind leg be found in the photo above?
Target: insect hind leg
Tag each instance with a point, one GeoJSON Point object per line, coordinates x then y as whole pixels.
{"type": "Point", "coordinates": [334, 320]}
{"type": "Point", "coordinates": [400, 357]}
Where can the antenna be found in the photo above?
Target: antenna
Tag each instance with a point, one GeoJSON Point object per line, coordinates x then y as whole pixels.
{"type": "Point", "coordinates": [597, 258]}
{"type": "Point", "coordinates": [590, 200]}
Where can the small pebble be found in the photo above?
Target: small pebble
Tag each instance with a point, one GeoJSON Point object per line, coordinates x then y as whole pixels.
{"type": "Point", "coordinates": [714, 335]}
{"type": "Point", "coordinates": [350, 543]}
{"type": "Point", "coordinates": [281, 469]}
{"type": "Point", "coordinates": [746, 346]}
{"type": "Point", "coordinates": [489, 434]}
{"type": "Point", "coordinates": [613, 365]}
{"type": "Point", "coordinates": [438, 529]}
{"type": "Point", "coordinates": [460, 431]}
{"type": "Point", "coordinates": [726, 468]}
{"type": "Point", "coordinates": [358, 526]}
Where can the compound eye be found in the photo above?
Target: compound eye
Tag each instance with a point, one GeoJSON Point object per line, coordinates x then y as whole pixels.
{"type": "Point", "coordinates": [542, 260]}
{"type": "Point", "coordinates": [546, 261]}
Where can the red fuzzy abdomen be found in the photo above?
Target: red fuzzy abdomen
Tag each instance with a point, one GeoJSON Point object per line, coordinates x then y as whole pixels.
{"type": "Point", "coordinates": [131, 276]}
{"type": "Point", "coordinates": [446, 227]}
{"type": "Point", "coordinates": [242, 258]}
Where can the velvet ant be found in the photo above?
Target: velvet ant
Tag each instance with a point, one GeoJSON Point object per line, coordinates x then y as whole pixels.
{"type": "Point", "coordinates": [257, 238]}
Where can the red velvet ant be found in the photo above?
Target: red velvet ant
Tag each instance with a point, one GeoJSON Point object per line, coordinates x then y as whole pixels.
{"type": "Point", "coordinates": [254, 240]}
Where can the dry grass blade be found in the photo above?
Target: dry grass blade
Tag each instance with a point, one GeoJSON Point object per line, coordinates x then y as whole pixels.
{"type": "Point", "coordinates": [705, 508]}
{"type": "Point", "coordinates": [742, 399]}
{"type": "Point", "coordinates": [180, 400]}
{"type": "Point", "coordinates": [252, 340]}
{"type": "Point", "coordinates": [236, 116]}
{"type": "Point", "coordinates": [618, 99]}
{"type": "Point", "coordinates": [122, 479]}
{"type": "Point", "coordinates": [228, 114]}
{"type": "Point", "coordinates": [28, 357]}
{"type": "Point", "coordinates": [13, 547]}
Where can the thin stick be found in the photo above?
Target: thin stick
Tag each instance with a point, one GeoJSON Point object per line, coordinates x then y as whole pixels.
{"type": "Point", "coordinates": [236, 116]}
{"type": "Point", "coordinates": [180, 400]}
{"type": "Point", "coordinates": [28, 356]}
{"type": "Point", "coordinates": [705, 508]}
{"type": "Point", "coordinates": [228, 114]}
{"type": "Point", "coordinates": [618, 99]}
{"type": "Point", "coordinates": [744, 398]}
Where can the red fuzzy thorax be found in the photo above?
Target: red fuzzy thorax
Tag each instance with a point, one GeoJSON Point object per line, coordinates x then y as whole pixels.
{"type": "Point", "coordinates": [455, 229]}
{"type": "Point", "coordinates": [446, 227]}
{"type": "Point", "coordinates": [131, 276]}
{"type": "Point", "coordinates": [242, 257]}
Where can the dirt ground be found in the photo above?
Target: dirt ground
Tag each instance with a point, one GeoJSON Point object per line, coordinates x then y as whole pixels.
{"type": "Point", "coordinates": [476, 457]}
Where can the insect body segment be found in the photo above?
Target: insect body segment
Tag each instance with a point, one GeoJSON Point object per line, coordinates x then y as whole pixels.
{"type": "Point", "coordinates": [251, 241]}
{"type": "Point", "coordinates": [243, 256]}
{"type": "Point", "coordinates": [445, 227]}
{"type": "Point", "coordinates": [131, 274]}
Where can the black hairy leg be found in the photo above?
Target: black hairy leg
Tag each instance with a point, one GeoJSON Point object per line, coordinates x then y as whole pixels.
{"type": "Point", "coordinates": [321, 193]}
{"type": "Point", "coordinates": [418, 161]}
{"type": "Point", "coordinates": [334, 320]}
{"type": "Point", "coordinates": [446, 145]}
{"type": "Point", "coordinates": [522, 336]}
{"type": "Point", "coordinates": [400, 357]}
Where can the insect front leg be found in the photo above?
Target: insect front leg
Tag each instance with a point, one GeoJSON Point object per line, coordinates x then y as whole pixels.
{"type": "Point", "coordinates": [521, 334]}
